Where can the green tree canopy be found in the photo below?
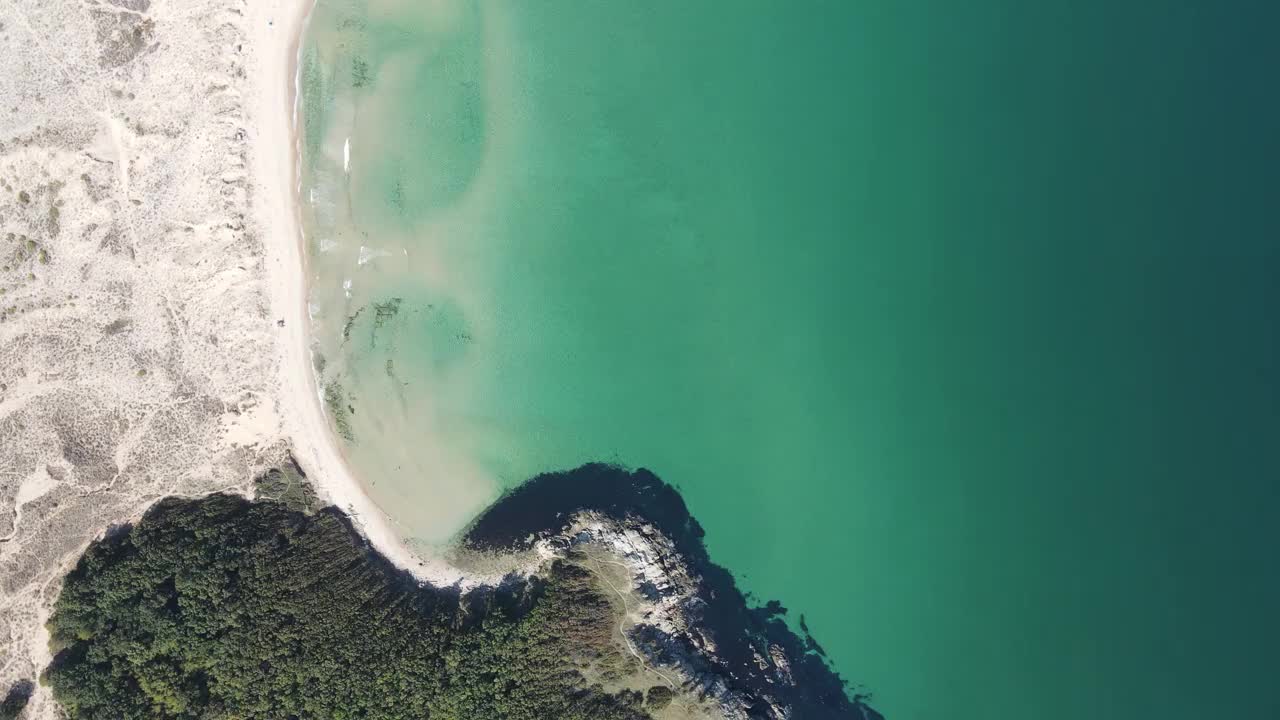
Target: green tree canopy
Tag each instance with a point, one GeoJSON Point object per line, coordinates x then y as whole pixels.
{"type": "Point", "coordinates": [223, 608]}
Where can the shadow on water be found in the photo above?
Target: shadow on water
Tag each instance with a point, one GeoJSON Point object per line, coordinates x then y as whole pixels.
{"type": "Point", "coordinates": [546, 504]}
{"type": "Point", "coordinates": [742, 635]}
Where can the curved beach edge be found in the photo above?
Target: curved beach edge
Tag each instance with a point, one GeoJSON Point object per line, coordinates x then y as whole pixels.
{"type": "Point", "coordinates": [276, 27]}
{"type": "Point", "coordinates": [698, 623]}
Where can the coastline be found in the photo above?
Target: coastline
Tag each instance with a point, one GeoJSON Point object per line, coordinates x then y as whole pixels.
{"type": "Point", "coordinates": [159, 351]}
{"type": "Point", "coordinates": [276, 31]}
{"type": "Point", "coordinates": [138, 355]}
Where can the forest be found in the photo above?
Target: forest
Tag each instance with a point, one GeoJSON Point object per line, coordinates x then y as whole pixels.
{"type": "Point", "coordinates": [225, 608]}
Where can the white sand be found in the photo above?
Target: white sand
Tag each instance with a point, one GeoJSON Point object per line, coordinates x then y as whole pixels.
{"type": "Point", "coordinates": [148, 247]}
{"type": "Point", "coordinates": [276, 26]}
{"type": "Point", "coordinates": [138, 358]}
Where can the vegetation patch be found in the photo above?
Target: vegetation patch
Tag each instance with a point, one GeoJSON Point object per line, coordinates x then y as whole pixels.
{"type": "Point", "coordinates": [335, 401]}
{"type": "Point", "coordinates": [225, 608]}
{"type": "Point", "coordinates": [289, 486]}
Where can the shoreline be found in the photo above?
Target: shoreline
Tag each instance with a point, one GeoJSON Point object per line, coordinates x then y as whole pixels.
{"type": "Point", "coordinates": [277, 30]}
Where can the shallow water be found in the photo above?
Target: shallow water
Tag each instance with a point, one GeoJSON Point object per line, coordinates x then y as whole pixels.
{"type": "Point", "coordinates": [951, 325]}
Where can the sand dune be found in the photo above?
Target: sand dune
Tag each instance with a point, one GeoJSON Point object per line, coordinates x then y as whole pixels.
{"type": "Point", "coordinates": [152, 323]}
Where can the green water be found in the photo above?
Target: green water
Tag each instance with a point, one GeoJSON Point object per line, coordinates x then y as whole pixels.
{"type": "Point", "coordinates": [954, 323]}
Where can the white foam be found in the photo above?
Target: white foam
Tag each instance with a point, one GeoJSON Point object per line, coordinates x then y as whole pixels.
{"type": "Point", "coordinates": [368, 253]}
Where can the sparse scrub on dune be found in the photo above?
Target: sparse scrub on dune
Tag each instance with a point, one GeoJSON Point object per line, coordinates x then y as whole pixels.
{"type": "Point", "coordinates": [129, 122]}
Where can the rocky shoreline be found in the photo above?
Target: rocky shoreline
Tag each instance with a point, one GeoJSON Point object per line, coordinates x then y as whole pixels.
{"type": "Point", "coordinates": [692, 620]}
{"type": "Point", "coordinates": [682, 617]}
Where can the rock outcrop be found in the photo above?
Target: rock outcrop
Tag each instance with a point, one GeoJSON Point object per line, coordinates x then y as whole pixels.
{"type": "Point", "coordinates": [689, 619]}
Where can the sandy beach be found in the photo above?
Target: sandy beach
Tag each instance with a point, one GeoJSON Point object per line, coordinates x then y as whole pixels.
{"type": "Point", "coordinates": [154, 343]}
{"type": "Point", "coordinates": [277, 30]}
{"type": "Point", "coordinates": [151, 251]}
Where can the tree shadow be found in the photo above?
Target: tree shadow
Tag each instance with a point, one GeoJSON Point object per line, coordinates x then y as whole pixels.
{"type": "Point", "coordinates": [16, 699]}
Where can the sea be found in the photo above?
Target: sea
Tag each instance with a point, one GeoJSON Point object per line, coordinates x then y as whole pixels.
{"type": "Point", "coordinates": [955, 324]}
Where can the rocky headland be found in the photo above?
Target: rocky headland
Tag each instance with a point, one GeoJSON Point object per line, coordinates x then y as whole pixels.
{"type": "Point", "coordinates": [686, 617]}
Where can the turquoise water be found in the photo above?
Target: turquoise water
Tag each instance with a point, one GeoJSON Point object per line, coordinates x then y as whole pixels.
{"type": "Point", "coordinates": [952, 323]}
